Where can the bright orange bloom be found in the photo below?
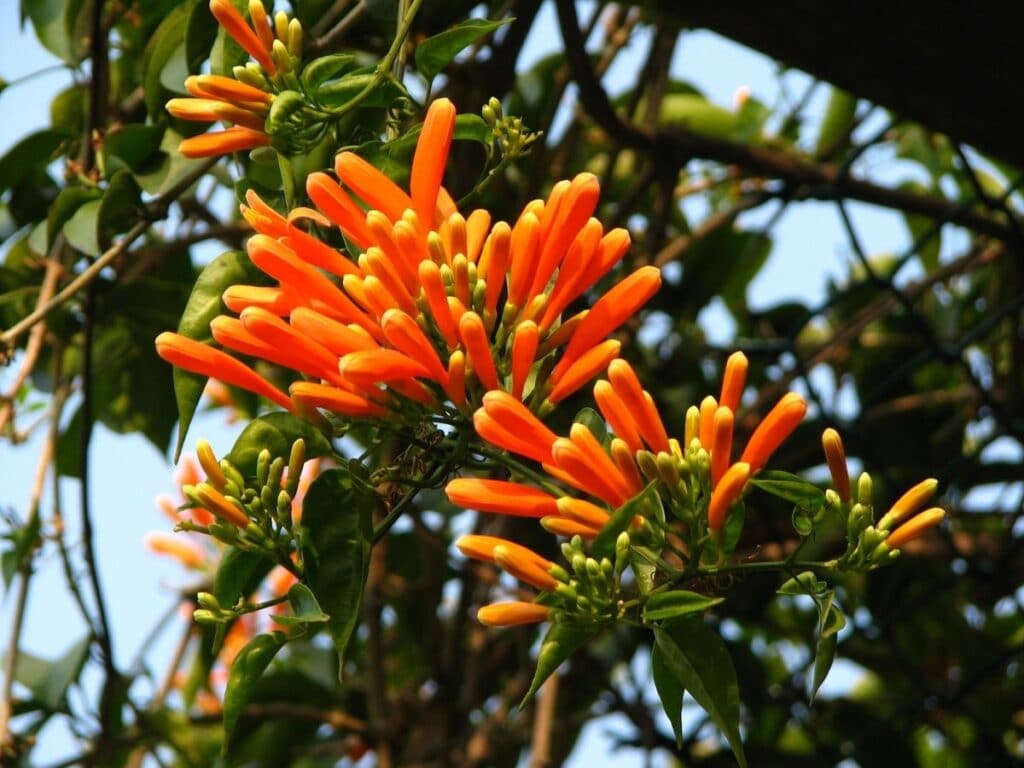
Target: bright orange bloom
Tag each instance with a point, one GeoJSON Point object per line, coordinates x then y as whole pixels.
{"type": "Point", "coordinates": [835, 457]}
{"type": "Point", "coordinates": [186, 551]}
{"type": "Point", "coordinates": [708, 406]}
{"type": "Point", "coordinates": [774, 429]}
{"type": "Point", "coordinates": [235, 25]}
{"type": "Point", "coordinates": [908, 503]}
{"type": "Point", "coordinates": [512, 614]}
{"type": "Point", "coordinates": [501, 496]}
{"type": "Point", "coordinates": [235, 139]}
{"type": "Point", "coordinates": [916, 526]}
{"type": "Point", "coordinates": [721, 443]}
{"type": "Point", "coordinates": [214, 501]}
{"type": "Point", "coordinates": [733, 380]}
{"type": "Point", "coordinates": [205, 360]}
{"type": "Point", "coordinates": [525, 564]}
{"type": "Point", "coordinates": [728, 491]}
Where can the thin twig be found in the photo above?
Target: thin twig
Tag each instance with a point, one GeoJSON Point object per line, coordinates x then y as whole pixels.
{"type": "Point", "coordinates": [543, 722]}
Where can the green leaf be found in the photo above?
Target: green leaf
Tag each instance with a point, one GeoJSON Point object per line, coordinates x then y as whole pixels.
{"type": "Point", "coordinates": [559, 644]}
{"type": "Point", "coordinates": [918, 226]}
{"type": "Point", "coordinates": [34, 151]}
{"type": "Point", "coordinates": [646, 504]}
{"type": "Point", "coordinates": [82, 229]}
{"type": "Point", "coordinates": [305, 608]}
{"type": "Point", "coordinates": [336, 542]}
{"type": "Point", "coordinates": [56, 23]}
{"type": "Point", "coordinates": [675, 603]}
{"type": "Point", "coordinates": [276, 432]}
{"type": "Point", "coordinates": [200, 34]}
{"type": "Point", "coordinates": [834, 131]}
{"type": "Point", "coordinates": [239, 572]}
{"type": "Point", "coordinates": [131, 147]}
{"type": "Point", "coordinates": [204, 304]}
{"type": "Point", "coordinates": [165, 47]}
{"type": "Point", "coordinates": [326, 68]}
{"type": "Point", "coordinates": [68, 201]}
{"type": "Point", "coordinates": [48, 681]}
{"type": "Point", "coordinates": [339, 92]}
{"type": "Point", "coordinates": [435, 53]}
{"type": "Point", "coordinates": [246, 670]}
{"type": "Point", "coordinates": [806, 583]}
{"type": "Point", "coordinates": [25, 539]}
{"type": "Point", "coordinates": [791, 488]}
{"type": "Point", "coordinates": [670, 691]}
{"type": "Point", "coordinates": [803, 522]}
{"type": "Point", "coordinates": [697, 114]}
{"type": "Point", "coordinates": [593, 421]}
{"type": "Point", "coordinates": [644, 562]}
{"type": "Point", "coordinates": [119, 208]}
{"type": "Point", "coordinates": [824, 655]}
{"type": "Point", "coordinates": [699, 660]}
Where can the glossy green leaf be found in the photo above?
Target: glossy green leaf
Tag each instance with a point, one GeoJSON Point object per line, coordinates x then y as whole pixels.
{"type": "Point", "coordinates": [646, 504]}
{"type": "Point", "coordinates": [435, 53]}
{"type": "Point", "coordinates": [239, 572]}
{"type": "Point", "coordinates": [200, 33]}
{"type": "Point", "coordinates": [119, 208]}
{"type": "Point", "coordinates": [824, 655]}
{"type": "Point", "coordinates": [805, 583]}
{"type": "Point", "coordinates": [670, 691]}
{"type": "Point", "coordinates": [326, 68]}
{"type": "Point", "coordinates": [167, 44]}
{"type": "Point", "coordinates": [339, 92]}
{"type": "Point", "coordinates": [834, 131]}
{"type": "Point", "coordinates": [64, 207]}
{"type": "Point", "coordinates": [204, 304]}
{"type": "Point", "coordinates": [58, 24]}
{"type": "Point", "coordinates": [791, 488]}
{"type": "Point", "coordinates": [131, 147]}
{"type": "Point", "coordinates": [48, 681]}
{"type": "Point", "coordinates": [246, 670]}
{"type": "Point", "coordinates": [32, 152]}
{"type": "Point", "coordinates": [276, 432]}
{"type": "Point", "coordinates": [662, 606]}
{"type": "Point", "coordinates": [82, 230]}
{"type": "Point", "coordinates": [337, 523]}
{"type": "Point", "coordinates": [305, 608]}
{"type": "Point", "coordinates": [559, 644]}
{"type": "Point", "coordinates": [593, 421]}
{"type": "Point", "coordinates": [699, 660]}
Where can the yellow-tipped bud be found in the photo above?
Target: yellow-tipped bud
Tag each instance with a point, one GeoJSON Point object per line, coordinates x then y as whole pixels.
{"type": "Point", "coordinates": [908, 503]}
{"type": "Point", "coordinates": [915, 527]}
{"type": "Point", "coordinates": [512, 614]}
{"type": "Point", "coordinates": [295, 38]}
{"type": "Point", "coordinates": [692, 426]}
{"type": "Point", "coordinates": [214, 501]}
{"type": "Point", "coordinates": [208, 461]}
{"type": "Point", "coordinates": [835, 457]}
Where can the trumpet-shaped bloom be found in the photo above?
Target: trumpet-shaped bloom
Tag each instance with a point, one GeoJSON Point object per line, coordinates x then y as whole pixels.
{"type": "Point", "coordinates": [614, 474]}
{"type": "Point", "coordinates": [438, 306]}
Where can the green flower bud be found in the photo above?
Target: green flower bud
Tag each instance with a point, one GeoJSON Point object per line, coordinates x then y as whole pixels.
{"type": "Point", "coordinates": [208, 601]}
{"type": "Point", "coordinates": [864, 488]}
{"type": "Point", "coordinates": [621, 553]}
{"type": "Point", "coordinates": [262, 467]}
{"type": "Point", "coordinates": [203, 616]}
{"type": "Point", "coordinates": [295, 462]}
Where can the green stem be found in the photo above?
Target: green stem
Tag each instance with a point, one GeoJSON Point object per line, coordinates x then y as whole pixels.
{"type": "Point", "coordinates": [384, 66]}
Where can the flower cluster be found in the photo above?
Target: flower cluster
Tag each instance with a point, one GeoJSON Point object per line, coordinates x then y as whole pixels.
{"type": "Point", "coordinates": [244, 100]}
{"type": "Point", "coordinates": [438, 307]}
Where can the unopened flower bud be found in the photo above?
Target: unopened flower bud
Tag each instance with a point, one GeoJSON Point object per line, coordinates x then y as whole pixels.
{"type": "Point", "coordinates": [864, 488]}
{"type": "Point", "coordinates": [203, 616]}
{"type": "Point", "coordinates": [208, 601]}
{"type": "Point", "coordinates": [295, 462]}
{"type": "Point", "coordinates": [295, 38]}
{"type": "Point", "coordinates": [621, 552]}
{"type": "Point", "coordinates": [263, 467]}
{"type": "Point", "coordinates": [208, 461]}
{"type": "Point", "coordinates": [668, 471]}
{"type": "Point", "coordinates": [648, 464]}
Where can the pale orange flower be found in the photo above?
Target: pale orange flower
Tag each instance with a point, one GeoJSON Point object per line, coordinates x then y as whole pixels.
{"type": "Point", "coordinates": [915, 527]}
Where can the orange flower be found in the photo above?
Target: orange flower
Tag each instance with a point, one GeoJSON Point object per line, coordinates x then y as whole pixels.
{"type": "Point", "coordinates": [500, 496]}
{"type": "Point", "coordinates": [254, 42]}
{"type": "Point", "coordinates": [774, 429]}
{"type": "Point", "coordinates": [525, 564]}
{"type": "Point", "coordinates": [835, 457]}
{"type": "Point", "coordinates": [184, 550]}
{"type": "Point", "coordinates": [916, 526]}
{"type": "Point", "coordinates": [727, 492]}
{"type": "Point", "coordinates": [733, 380]}
{"type": "Point", "coordinates": [512, 614]}
{"type": "Point", "coordinates": [721, 442]}
{"type": "Point", "coordinates": [196, 357]}
{"type": "Point", "coordinates": [214, 501]}
{"type": "Point", "coordinates": [235, 139]}
{"type": "Point", "coordinates": [908, 503]}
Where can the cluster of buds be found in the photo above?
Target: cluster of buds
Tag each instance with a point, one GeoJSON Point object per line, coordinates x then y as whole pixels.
{"type": "Point", "coordinates": [417, 319]}
{"type": "Point", "coordinates": [258, 516]}
{"type": "Point", "coordinates": [871, 544]}
{"type": "Point", "coordinates": [247, 101]}
{"type": "Point", "coordinates": [585, 594]}
{"type": "Point", "coordinates": [513, 138]}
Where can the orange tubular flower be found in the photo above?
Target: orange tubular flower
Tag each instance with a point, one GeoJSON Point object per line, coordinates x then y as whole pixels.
{"type": "Point", "coordinates": [525, 564]}
{"type": "Point", "coordinates": [235, 25]}
{"type": "Point", "coordinates": [916, 526]}
{"type": "Point", "coordinates": [733, 380]}
{"type": "Point", "coordinates": [236, 139]}
{"type": "Point", "coordinates": [835, 457]}
{"type": "Point", "coordinates": [728, 491]}
{"type": "Point", "coordinates": [512, 614]}
{"type": "Point", "coordinates": [187, 552]}
{"type": "Point", "coordinates": [774, 429]}
{"type": "Point", "coordinates": [501, 496]}
{"type": "Point", "coordinates": [908, 503]}
{"type": "Point", "coordinates": [721, 443]}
